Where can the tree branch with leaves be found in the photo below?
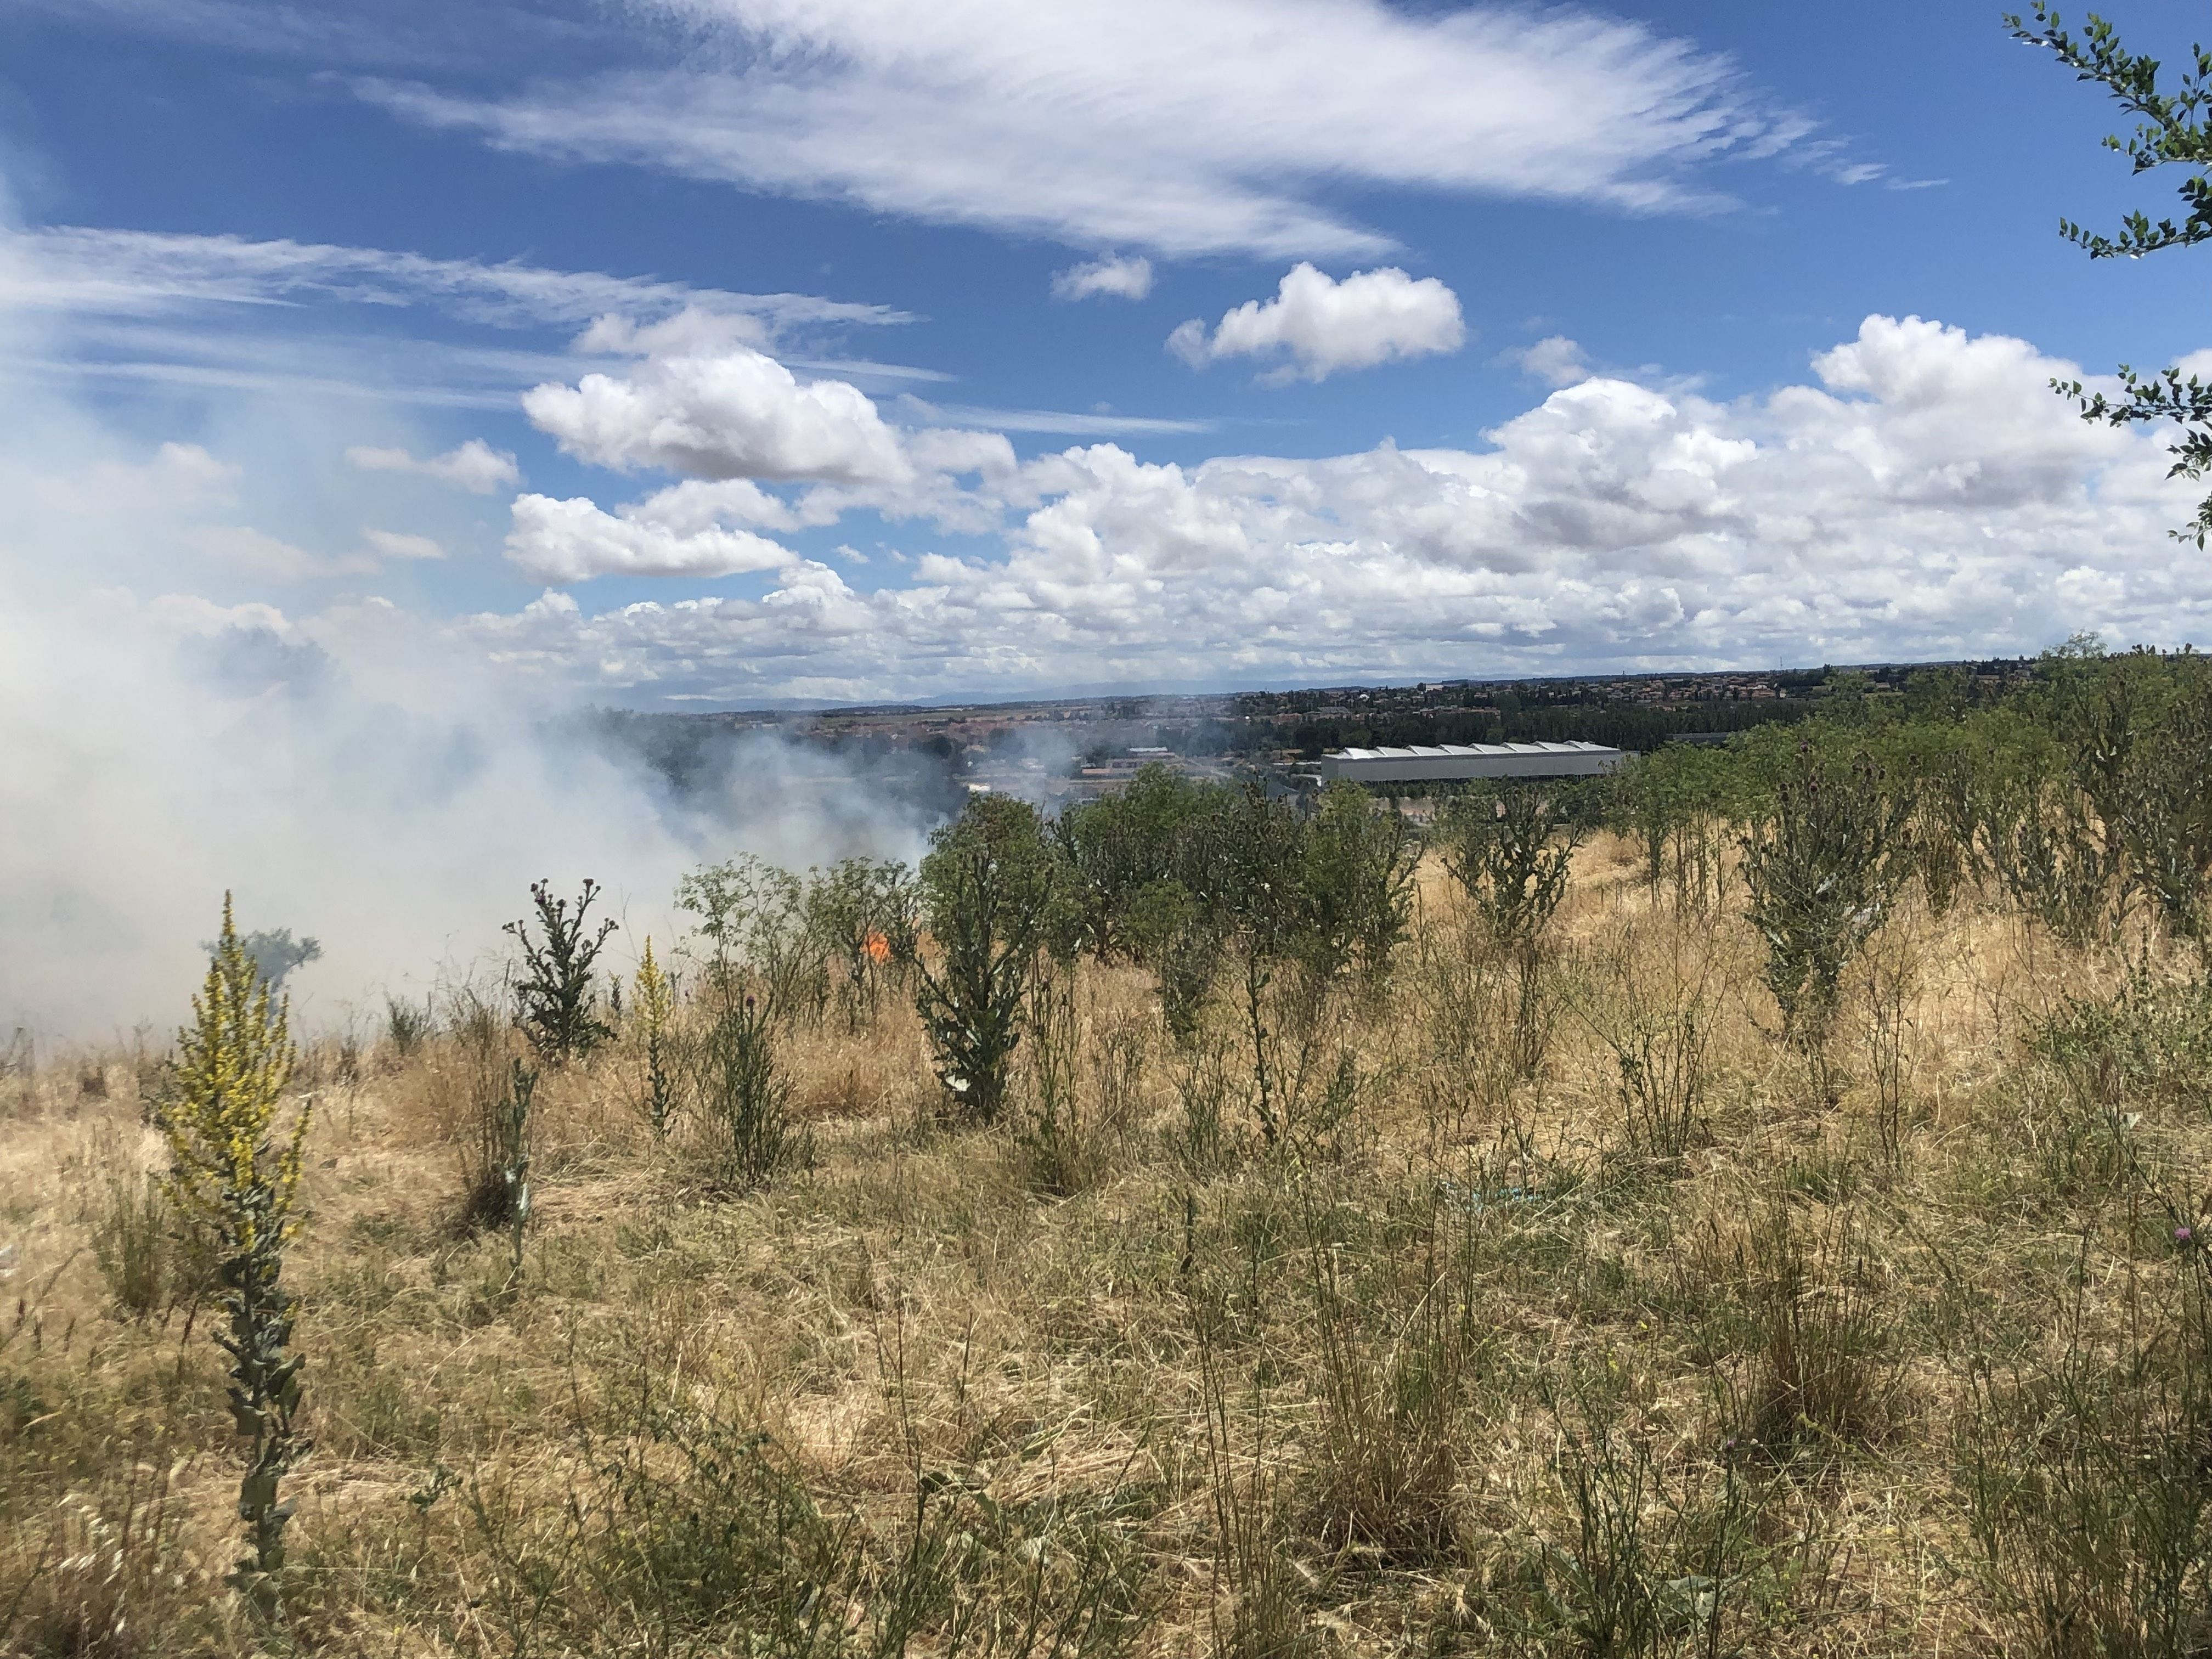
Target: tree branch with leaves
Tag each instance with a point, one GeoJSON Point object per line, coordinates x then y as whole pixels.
{"type": "Point", "coordinates": [2171, 131]}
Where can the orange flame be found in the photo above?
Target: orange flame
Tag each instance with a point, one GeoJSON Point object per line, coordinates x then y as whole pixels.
{"type": "Point", "coordinates": [877, 948]}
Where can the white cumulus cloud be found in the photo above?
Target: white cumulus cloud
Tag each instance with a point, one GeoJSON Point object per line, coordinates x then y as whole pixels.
{"type": "Point", "coordinates": [571, 541]}
{"type": "Point", "coordinates": [1322, 325]}
{"type": "Point", "coordinates": [735, 413]}
{"type": "Point", "coordinates": [1122, 277]}
{"type": "Point", "coordinates": [1922, 495]}
{"type": "Point", "coordinates": [1555, 360]}
{"type": "Point", "coordinates": [474, 465]}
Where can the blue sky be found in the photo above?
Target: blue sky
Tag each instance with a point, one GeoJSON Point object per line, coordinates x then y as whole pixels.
{"type": "Point", "coordinates": [265, 265]}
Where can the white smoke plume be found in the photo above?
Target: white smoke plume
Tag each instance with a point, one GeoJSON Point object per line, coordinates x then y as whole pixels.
{"type": "Point", "coordinates": [158, 761]}
{"type": "Point", "coordinates": [344, 776]}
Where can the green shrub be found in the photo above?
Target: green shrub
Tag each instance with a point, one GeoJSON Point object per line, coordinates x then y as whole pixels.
{"type": "Point", "coordinates": [742, 1092]}
{"type": "Point", "coordinates": [2147, 1044]}
{"type": "Point", "coordinates": [1357, 874]}
{"type": "Point", "coordinates": [1659, 1061]}
{"type": "Point", "coordinates": [1058, 1143]}
{"type": "Point", "coordinates": [1825, 861]}
{"type": "Point", "coordinates": [405, 1025]}
{"type": "Point", "coordinates": [864, 911]}
{"type": "Point", "coordinates": [753, 917]}
{"type": "Point", "coordinates": [2038, 838]}
{"type": "Point", "coordinates": [1116, 848]}
{"type": "Point", "coordinates": [1171, 931]}
{"type": "Point", "coordinates": [987, 892]}
{"type": "Point", "coordinates": [2088, 1475]}
{"type": "Point", "coordinates": [1510, 848]}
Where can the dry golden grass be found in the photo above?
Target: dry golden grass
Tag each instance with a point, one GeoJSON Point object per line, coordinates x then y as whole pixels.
{"type": "Point", "coordinates": [1337, 1396]}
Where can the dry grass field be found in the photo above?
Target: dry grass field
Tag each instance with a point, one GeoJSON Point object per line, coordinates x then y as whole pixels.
{"type": "Point", "coordinates": [1680, 1343]}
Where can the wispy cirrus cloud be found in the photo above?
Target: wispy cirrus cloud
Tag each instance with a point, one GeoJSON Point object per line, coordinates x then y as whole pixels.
{"type": "Point", "coordinates": [215, 314]}
{"type": "Point", "coordinates": [75, 268]}
{"type": "Point", "coordinates": [473, 466]}
{"type": "Point", "coordinates": [1150, 124]}
{"type": "Point", "coordinates": [401, 35]}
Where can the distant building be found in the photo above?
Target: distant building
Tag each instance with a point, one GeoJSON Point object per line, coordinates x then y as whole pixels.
{"type": "Point", "coordinates": [1438, 762]}
{"type": "Point", "coordinates": [1128, 763]}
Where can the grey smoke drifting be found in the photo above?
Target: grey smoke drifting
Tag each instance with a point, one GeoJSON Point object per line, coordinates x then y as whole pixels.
{"type": "Point", "coordinates": [150, 772]}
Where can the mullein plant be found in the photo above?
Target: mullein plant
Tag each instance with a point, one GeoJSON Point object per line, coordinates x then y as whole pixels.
{"type": "Point", "coordinates": [233, 1165]}
{"type": "Point", "coordinates": [656, 1015]}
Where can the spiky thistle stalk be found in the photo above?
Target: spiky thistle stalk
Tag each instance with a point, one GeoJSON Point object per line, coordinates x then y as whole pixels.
{"type": "Point", "coordinates": [230, 1164]}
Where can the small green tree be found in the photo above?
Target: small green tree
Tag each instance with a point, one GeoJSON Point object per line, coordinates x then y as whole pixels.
{"type": "Point", "coordinates": [1258, 844]}
{"type": "Point", "coordinates": [1164, 927]}
{"type": "Point", "coordinates": [742, 1093]}
{"type": "Point", "coordinates": [2171, 132]}
{"type": "Point", "coordinates": [987, 890]}
{"type": "Point", "coordinates": [1825, 861]}
{"type": "Point", "coordinates": [755, 919]}
{"type": "Point", "coordinates": [1358, 874]}
{"type": "Point", "coordinates": [1119, 846]}
{"type": "Point", "coordinates": [274, 953]}
{"type": "Point", "coordinates": [230, 1165]}
{"type": "Point", "coordinates": [2038, 837]}
{"type": "Point", "coordinates": [862, 912]}
{"type": "Point", "coordinates": [556, 996]}
{"type": "Point", "coordinates": [1510, 850]}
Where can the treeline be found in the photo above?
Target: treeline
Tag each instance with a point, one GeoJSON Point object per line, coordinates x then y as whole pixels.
{"type": "Point", "coordinates": [2083, 797]}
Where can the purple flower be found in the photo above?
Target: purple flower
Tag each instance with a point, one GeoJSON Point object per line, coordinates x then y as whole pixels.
{"type": "Point", "coordinates": [2183, 1235]}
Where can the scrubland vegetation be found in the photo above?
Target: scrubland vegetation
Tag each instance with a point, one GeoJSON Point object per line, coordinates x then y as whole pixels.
{"type": "Point", "coordinates": [1754, 1207]}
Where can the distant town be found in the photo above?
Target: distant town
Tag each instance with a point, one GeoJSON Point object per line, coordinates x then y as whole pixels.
{"type": "Point", "coordinates": [1049, 748]}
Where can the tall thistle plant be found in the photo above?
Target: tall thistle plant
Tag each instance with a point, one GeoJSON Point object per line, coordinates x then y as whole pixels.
{"type": "Point", "coordinates": [232, 1164]}
{"type": "Point", "coordinates": [1824, 862]}
{"type": "Point", "coordinates": [1511, 851]}
{"type": "Point", "coordinates": [556, 1003]}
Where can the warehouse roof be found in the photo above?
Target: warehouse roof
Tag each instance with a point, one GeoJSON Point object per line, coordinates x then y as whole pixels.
{"type": "Point", "coordinates": [1470, 751]}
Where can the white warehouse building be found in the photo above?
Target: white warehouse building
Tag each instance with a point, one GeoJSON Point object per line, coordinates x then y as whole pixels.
{"type": "Point", "coordinates": [1437, 762]}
